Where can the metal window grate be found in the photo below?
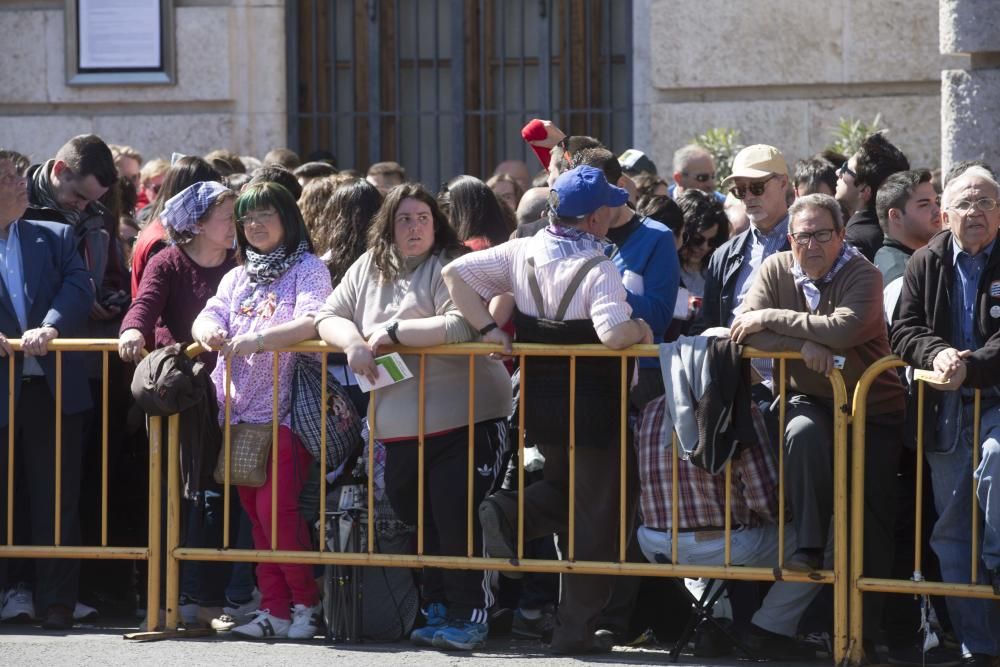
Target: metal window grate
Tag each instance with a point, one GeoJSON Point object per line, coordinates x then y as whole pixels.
{"type": "Point", "coordinates": [444, 86]}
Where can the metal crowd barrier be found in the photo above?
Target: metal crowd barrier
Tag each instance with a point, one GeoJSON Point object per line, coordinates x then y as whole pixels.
{"type": "Point", "coordinates": [151, 552]}
{"type": "Point", "coordinates": [174, 552]}
{"type": "Point", "coordinates": [916, 585]}
{"type": "Point", "coordinates": [836, 577]}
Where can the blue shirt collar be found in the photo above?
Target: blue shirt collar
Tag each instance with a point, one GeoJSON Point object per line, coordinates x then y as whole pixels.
{"type": "Point", "coordinates": [779, 230]}
{"type": "Point", "coordinates": [956, 250]}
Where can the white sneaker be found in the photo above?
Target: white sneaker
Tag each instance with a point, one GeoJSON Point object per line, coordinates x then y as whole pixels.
{"type": "Point", "coordinates": [84, 612]}
{"type": "Point", "coordinates": [264, 626]}
{"type": "Point", "coordinates": [18, 605]}
{"type": "Point", "coordinates": [243, 613]}
{"type": "Point", "coordinates": [305, 621]}
{"type": "Point", "coordinates": [223, 623]}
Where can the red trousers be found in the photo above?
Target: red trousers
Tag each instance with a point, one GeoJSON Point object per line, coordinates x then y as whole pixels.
{"type": "Point", "coordinates": [282, 585]}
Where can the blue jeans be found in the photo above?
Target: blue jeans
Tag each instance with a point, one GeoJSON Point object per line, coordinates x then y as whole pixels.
{"type": "Point", "coordinates": [976, 622]}
{"type": "Point", "coordinates": [213, 583]}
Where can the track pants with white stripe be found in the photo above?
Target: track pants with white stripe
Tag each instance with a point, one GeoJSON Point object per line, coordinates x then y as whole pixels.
{"type": "Point", "coordinates": [466, 593]}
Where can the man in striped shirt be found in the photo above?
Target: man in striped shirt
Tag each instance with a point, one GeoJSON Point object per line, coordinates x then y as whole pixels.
{"type": "Point", "coordinates": [566, 292]}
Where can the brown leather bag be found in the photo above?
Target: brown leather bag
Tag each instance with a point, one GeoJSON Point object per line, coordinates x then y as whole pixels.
{"type": "Point", "coordinates": [251, 443]}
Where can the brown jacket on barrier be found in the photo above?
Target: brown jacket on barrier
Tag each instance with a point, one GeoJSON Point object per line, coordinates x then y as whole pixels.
{"type": "Point", "coordinates": [849, 321]}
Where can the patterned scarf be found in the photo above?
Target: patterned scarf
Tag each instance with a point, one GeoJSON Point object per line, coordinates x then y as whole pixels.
{"type": "Point", "coordinates": [265, 269]}
{"type": "Point", "coordinates": [810, 287]}
{"type": "Point", "coordinates": [558, 242]}
{"type": "Point", "coordinates": [42, 192]}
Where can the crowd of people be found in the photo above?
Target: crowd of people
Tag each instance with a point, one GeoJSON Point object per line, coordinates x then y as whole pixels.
{"type": "Point", "coordinates": [842, 258]}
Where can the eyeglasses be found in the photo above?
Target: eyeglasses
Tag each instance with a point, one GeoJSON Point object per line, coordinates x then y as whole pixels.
{"type": "Point", "coordinates": [756, 189]}
{"type": "Point", "coordinates": [844, 169]}
{"type": "Point", "coordinates": [964, 205]}
{"type": "Point", "coordinates": [260, 217]}
{"type": "Point", "coordinates": [803, 238]}
{"type": "Point", "coordinates": [701, 178]}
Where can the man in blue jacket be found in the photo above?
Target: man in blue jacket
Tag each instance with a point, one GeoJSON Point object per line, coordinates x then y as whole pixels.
{"type": "Point", "coordinates": [646, 256]}
{"type": "Point", "coordinates": [45, 293]}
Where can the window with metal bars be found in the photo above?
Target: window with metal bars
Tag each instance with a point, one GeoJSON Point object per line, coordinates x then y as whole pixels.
{"type": "Point", "coordinates": [444, 86]}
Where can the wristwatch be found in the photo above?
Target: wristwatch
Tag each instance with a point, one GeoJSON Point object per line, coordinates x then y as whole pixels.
{"type": "Point", "coordinates": [488, 328]}
{"type": "Point", "coordinates": [391, 330]}
{"type": "Point", "coordinates": [260, 342]}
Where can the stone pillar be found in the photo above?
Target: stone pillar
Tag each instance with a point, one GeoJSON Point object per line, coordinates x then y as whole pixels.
{"type": "Point", "coordinates": [970, 98]}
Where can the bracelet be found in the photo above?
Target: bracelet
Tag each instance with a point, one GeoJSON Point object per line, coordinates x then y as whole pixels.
{"type": "Point", "coordinates": [260, 342]}
{"type": "Point", "coordinates": [488, 328]}
{"type": "Point", "coordinates": [391, 330]}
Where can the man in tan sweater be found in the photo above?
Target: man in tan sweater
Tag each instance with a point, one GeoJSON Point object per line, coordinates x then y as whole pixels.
{"type": "Point", "coordinates": [824, 299]}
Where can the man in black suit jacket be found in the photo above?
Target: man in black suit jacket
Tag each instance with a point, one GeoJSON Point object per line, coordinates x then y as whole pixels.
{"type": "Point", "coordinates": [45, 293]}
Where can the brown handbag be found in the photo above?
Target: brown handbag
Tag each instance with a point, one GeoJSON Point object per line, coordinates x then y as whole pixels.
{"type": "Point", "coordinates": [250, 444]}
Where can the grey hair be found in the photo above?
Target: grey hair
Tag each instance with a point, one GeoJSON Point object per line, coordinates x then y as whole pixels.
{"type": "Point", "coordinates": [824, 202]}
{"type": "Point", "coordinates": [952, 186]}
{"type": "Point", "coordinates": [687, 153]}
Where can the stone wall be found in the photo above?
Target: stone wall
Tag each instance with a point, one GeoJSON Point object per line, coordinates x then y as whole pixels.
{"type": "Point", "coordinates": [230, 84]}
{"type": "Point", "coordinates": [970, 95]}
{"type": "Point", "coordinates": [784, 71]}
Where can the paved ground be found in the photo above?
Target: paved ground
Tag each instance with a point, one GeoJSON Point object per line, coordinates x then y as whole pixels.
{"type": "Point", "coordinates": [27, 646]}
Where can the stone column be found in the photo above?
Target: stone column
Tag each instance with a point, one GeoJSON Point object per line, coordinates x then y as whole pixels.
{"type": "Point", "coordinates": [970, 98]}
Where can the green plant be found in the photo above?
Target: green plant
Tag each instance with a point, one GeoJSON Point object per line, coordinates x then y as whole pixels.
{"type": "Point", "coordinates": [721, 142]}
{"type": "Point", "coordinates": [851, 132]}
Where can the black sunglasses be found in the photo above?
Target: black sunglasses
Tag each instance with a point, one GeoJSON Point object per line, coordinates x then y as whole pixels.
{"type": "Point", "coordinates": [756, 189]}
{"type": "Point", "coordinates": [844, 169]}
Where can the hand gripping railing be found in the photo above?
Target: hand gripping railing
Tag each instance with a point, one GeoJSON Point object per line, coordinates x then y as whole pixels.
{"type": "Point", "coordinates": [917, 585]}
{"type": "Point", "coordinates": [151, 552]}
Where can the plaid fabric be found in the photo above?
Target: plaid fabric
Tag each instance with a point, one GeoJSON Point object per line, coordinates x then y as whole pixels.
{"type": "Point", "coordinates": [702, 496]}
{"type": "Point", "coordinates": [182, 211]}
{"type": "Point", "coordinates": [250, 445]}
{"type": "Point", "coordinates": [343, 425]}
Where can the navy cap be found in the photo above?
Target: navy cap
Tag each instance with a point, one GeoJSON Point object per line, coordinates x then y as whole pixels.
{"type": "Point", "coordinates": [583, 190]}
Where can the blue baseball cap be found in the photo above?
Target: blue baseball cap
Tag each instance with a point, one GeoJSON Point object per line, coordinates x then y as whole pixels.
{"type": "Point", "coordinates": [583, 190]}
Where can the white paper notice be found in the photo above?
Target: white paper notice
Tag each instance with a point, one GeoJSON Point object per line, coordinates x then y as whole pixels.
{"type": "Point", "coordinates": [391, 370]}
{"type": "Point", "coordinates": [119, 34]}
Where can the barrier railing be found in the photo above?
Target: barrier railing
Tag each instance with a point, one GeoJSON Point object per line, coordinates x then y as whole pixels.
{"type": "Point", "coordinates": [523, 352]}
{"type": "Point", "coordinates": [174, 552]}
{"type": "Point", "coordinates": [916, 585]}
{"type": "Point", "coordinates": [151, 552]}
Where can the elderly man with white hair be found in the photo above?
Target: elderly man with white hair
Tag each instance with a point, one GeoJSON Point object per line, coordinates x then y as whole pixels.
{"type": "Point", "coordinates": [694, 168]}
{"type": "Point", "coordinates": [949, 322]}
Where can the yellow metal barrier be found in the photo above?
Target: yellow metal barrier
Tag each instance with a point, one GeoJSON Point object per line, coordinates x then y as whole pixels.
{"type": "Point", "coordinates": [837, 576]}
{"type": "Point", "coordinates": [862, 584]}
{"type": "Point", "coordinates": [150, 552]}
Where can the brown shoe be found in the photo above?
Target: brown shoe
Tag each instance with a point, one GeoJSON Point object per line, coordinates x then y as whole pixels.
{"type": "Point", "coordinates": [58, 617]}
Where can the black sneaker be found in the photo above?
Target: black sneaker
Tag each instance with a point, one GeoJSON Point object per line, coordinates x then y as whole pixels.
{"type": "Point", "coordinates": [765, 644]}
{"type": "Point", "coordinates": [978, 660]}
{"type": "Point", "coordinates": [531, 628]}
{"type": "Point", "coordinates": [911, 654]}
{"type": "Point", "coordinates": [710, 641]}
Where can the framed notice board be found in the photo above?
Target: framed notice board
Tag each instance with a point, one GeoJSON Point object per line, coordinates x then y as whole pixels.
{"type": "Point", "coordinates": [120, 42]}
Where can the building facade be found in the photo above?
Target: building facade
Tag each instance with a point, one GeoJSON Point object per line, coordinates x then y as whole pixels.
{"type": "Point", "coordinates": [444, 85]}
